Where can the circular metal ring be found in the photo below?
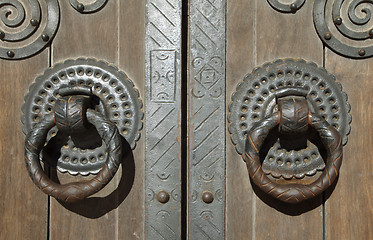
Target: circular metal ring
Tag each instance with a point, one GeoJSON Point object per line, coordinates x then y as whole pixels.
{"type": "Point", "coordinates": [75, 191]}
{"type": "Point", "coordinates": [293, 193]}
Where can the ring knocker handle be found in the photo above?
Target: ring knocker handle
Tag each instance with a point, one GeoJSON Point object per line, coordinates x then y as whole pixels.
{"type": "Point", "coordinates": [75, 191]}
{"type": "Point", "coordinates": [293, 117]}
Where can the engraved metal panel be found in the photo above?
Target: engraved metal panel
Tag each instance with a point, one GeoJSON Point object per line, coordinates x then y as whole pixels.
{"type": "Point", "coordinates": [162, 124]}
{"type": "Point", "coordinates": [206, 120]}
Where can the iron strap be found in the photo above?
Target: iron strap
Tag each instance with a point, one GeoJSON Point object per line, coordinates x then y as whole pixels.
{"type": "Point", "coordinates": [206, 120]}
{"type": "Point", "coordinates": [163, 112]}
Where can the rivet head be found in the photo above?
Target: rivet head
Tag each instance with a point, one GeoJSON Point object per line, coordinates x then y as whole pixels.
{"type": "Point", "coordinates": [2, 35]}
{"type": "Point", "coordinates": [80, 7]}
{"type": "Point", "coordinates": [293, 7]}
{"type": "Point", "coordinates": [45, 37]}
{"type": "Point", "coordinates": [10, 54]}
{"type": "Point", "coordinates": [34, 22]}
{"type": "Point", "coordinates": [327, 36]}
{"type": "Point", "coordinates": [338, 20]}
{"type": "Point", "coordinates": [207, 197]}
{"type": "Point", "coordinates": [371, 33]}
{"type": "Point", "coordinates": [361, 52]}
{"type": "Point", "coordinates": [163, 197]}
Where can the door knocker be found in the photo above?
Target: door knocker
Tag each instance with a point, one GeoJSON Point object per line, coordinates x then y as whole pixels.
{"type": "Point", "coordinates": [312, 117]}
{"type": "Point", "coordinates": [75, 117]}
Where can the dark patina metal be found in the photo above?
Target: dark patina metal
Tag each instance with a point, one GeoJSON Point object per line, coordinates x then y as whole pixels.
{"type": "Point", "coordinates": [51, 17]}
{"type": "Point", "coordinates": [89, 8]}
{"type": "Point", "coordinates": [111, 93]}
{"type": "Point", "coordinates": [163, 197]}
{"type": "Point", "coordinates": [345, 49]}
{"type": "Point", "coordinates": [207, 197]}
{"type": "Point", "coordinates": [293, 193]}
{"type": "Point", "coordinates": [256, 98]}
{"type": "Point", "coordinates": [75, 191]}
{"type": "Point", "coordinates": [286, 8]}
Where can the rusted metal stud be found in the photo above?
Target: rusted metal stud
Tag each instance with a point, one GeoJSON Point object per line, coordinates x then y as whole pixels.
{"type": "Point", "coordinates": [10, 54]}
{"type": "Point", "coordinates": [327, 36]}
{"type": "Point", "coordinates": [338, 20]}
{"type": "Point", "coordinates": [207, 197]}
{"type": "Point", "coordinates": [2, 35]}
{"type": "Point", "coordinates": [45, 37]}
{"type": "Point", "coordinates": [293, 7]}
{"type": "Point", "coordinates": [163, 197]}
{"type": "Point", "coordinates": [361, 52]}
{"type": "Point", "coordinates": [80, 7]}
{"type": "Point", "coordinates": [34, 22]}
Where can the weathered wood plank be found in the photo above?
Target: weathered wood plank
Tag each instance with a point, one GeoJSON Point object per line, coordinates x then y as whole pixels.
{"type": "Point", "coordinates": [131, 213]}
{"type": "Point", "coordinates": [257, 34]}
{"type": "Point", "coordinates": [23, 206]}
{"type": "Point", "coordinates": [287, 36]}
{"type": "Point", "coordinates": [349, 209]}
{"type": "Point", "coordinates": [87, 35]}
{"type": "Point", "coordinates": [240, 60]}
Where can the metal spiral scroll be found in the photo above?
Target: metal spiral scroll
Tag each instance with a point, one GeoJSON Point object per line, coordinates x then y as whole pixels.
{"type": "Point", "coordinates": [286, 8]}
{"type": "Point", "coordinates": [331, 41]}
{"type": "Point", "coordinates": [89, 8]}
{"type": "Point", "coordinates": [14, 16]}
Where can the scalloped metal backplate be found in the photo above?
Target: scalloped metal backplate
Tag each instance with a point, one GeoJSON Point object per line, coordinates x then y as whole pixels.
{"type": "Point", "coordinates": [254, 99]}
{"type": "Point", "coordinates": [118, 100]}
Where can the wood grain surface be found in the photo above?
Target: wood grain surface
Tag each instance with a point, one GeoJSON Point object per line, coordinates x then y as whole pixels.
{"type": "Point", "coordinates": [349, 209]}
{"type": "Point", "coordinates": [23, 207]}
{"type": "Point", "coordinates": [258, 34]}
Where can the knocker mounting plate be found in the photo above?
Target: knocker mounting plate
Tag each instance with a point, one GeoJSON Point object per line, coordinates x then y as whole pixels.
{"type": "Point", "coordinates": [255, 99]}
{"type": "Point", "coordinates": [116, 98]}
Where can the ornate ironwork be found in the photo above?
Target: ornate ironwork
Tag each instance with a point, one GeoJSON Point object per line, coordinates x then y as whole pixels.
{"type": "Point", "coordinates": [163, 114]}
{"type": "Point", "coordinates": [331, 40]}
{"type": "Point", "coordinates": [286, 8]}
{"type": "Point", "coordinates": [115, 98]}
{"type": "Point", "coordinates": [76, 191]}
{"type": "Point", "coordinates": [24, 43]}
{"type": "Point", "coordinates": [293, 192]}
{"type": "Point", "coordinates": [207, 120]}
{"type": "Point", "coordinates": [255, 99]}
{"type": "Point", "coordinates": [347, 47]}
{"type": "Point", "coordinates": [89, 8]}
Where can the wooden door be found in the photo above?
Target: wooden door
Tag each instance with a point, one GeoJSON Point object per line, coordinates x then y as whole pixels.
{"type": "Point", "coordinates": [258, 33]}
{"type": "Point", "coordinates": [210, 193]}
{"type": "Point", "coordinates": [115, 33]}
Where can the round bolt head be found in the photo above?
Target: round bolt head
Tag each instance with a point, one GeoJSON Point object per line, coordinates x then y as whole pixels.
{"type": "Point", "coordinates": [45, 37]}
{"type": "Point", "coordinates": [163, 197]}
{"type": "Point", "coordinates": [34, 22]}
{"type": "Point", "coordinates": [293, 7]}
{"type": "Point", "coordinates": [327, 36]}
{"type": "Point", "coordinates": [207, 197]}
{"type": "Point", "coordinates": [80, 7]}
{"type": "Point", "coordinates": [361, 52]}
{"type": "Point", "coordinates": [10, 54]}
{"type": "Point", "coordinates": [338, 20]}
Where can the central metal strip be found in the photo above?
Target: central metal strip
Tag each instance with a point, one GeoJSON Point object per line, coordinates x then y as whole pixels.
{"type": "Point", "coordinates": [206, 119]}
{"type": "Point", "coordinates": [162, 120]}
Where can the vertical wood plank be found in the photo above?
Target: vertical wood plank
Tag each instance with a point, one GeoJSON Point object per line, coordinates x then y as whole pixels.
{"type": "Point", "coordinates": [131, 214]}
{"type": "Point", "coordinates": [274, 35]}
{"type": "Point", "coordinates": [87, 35]}
{"type": "Point", "coordinates": [239, 61]}
{"type": "Point", "coordinates": [349, 209]}
{"type": "Point", "coordinates": [23, 208]}
{"type": "Point", "coordinates": [287, 36]}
